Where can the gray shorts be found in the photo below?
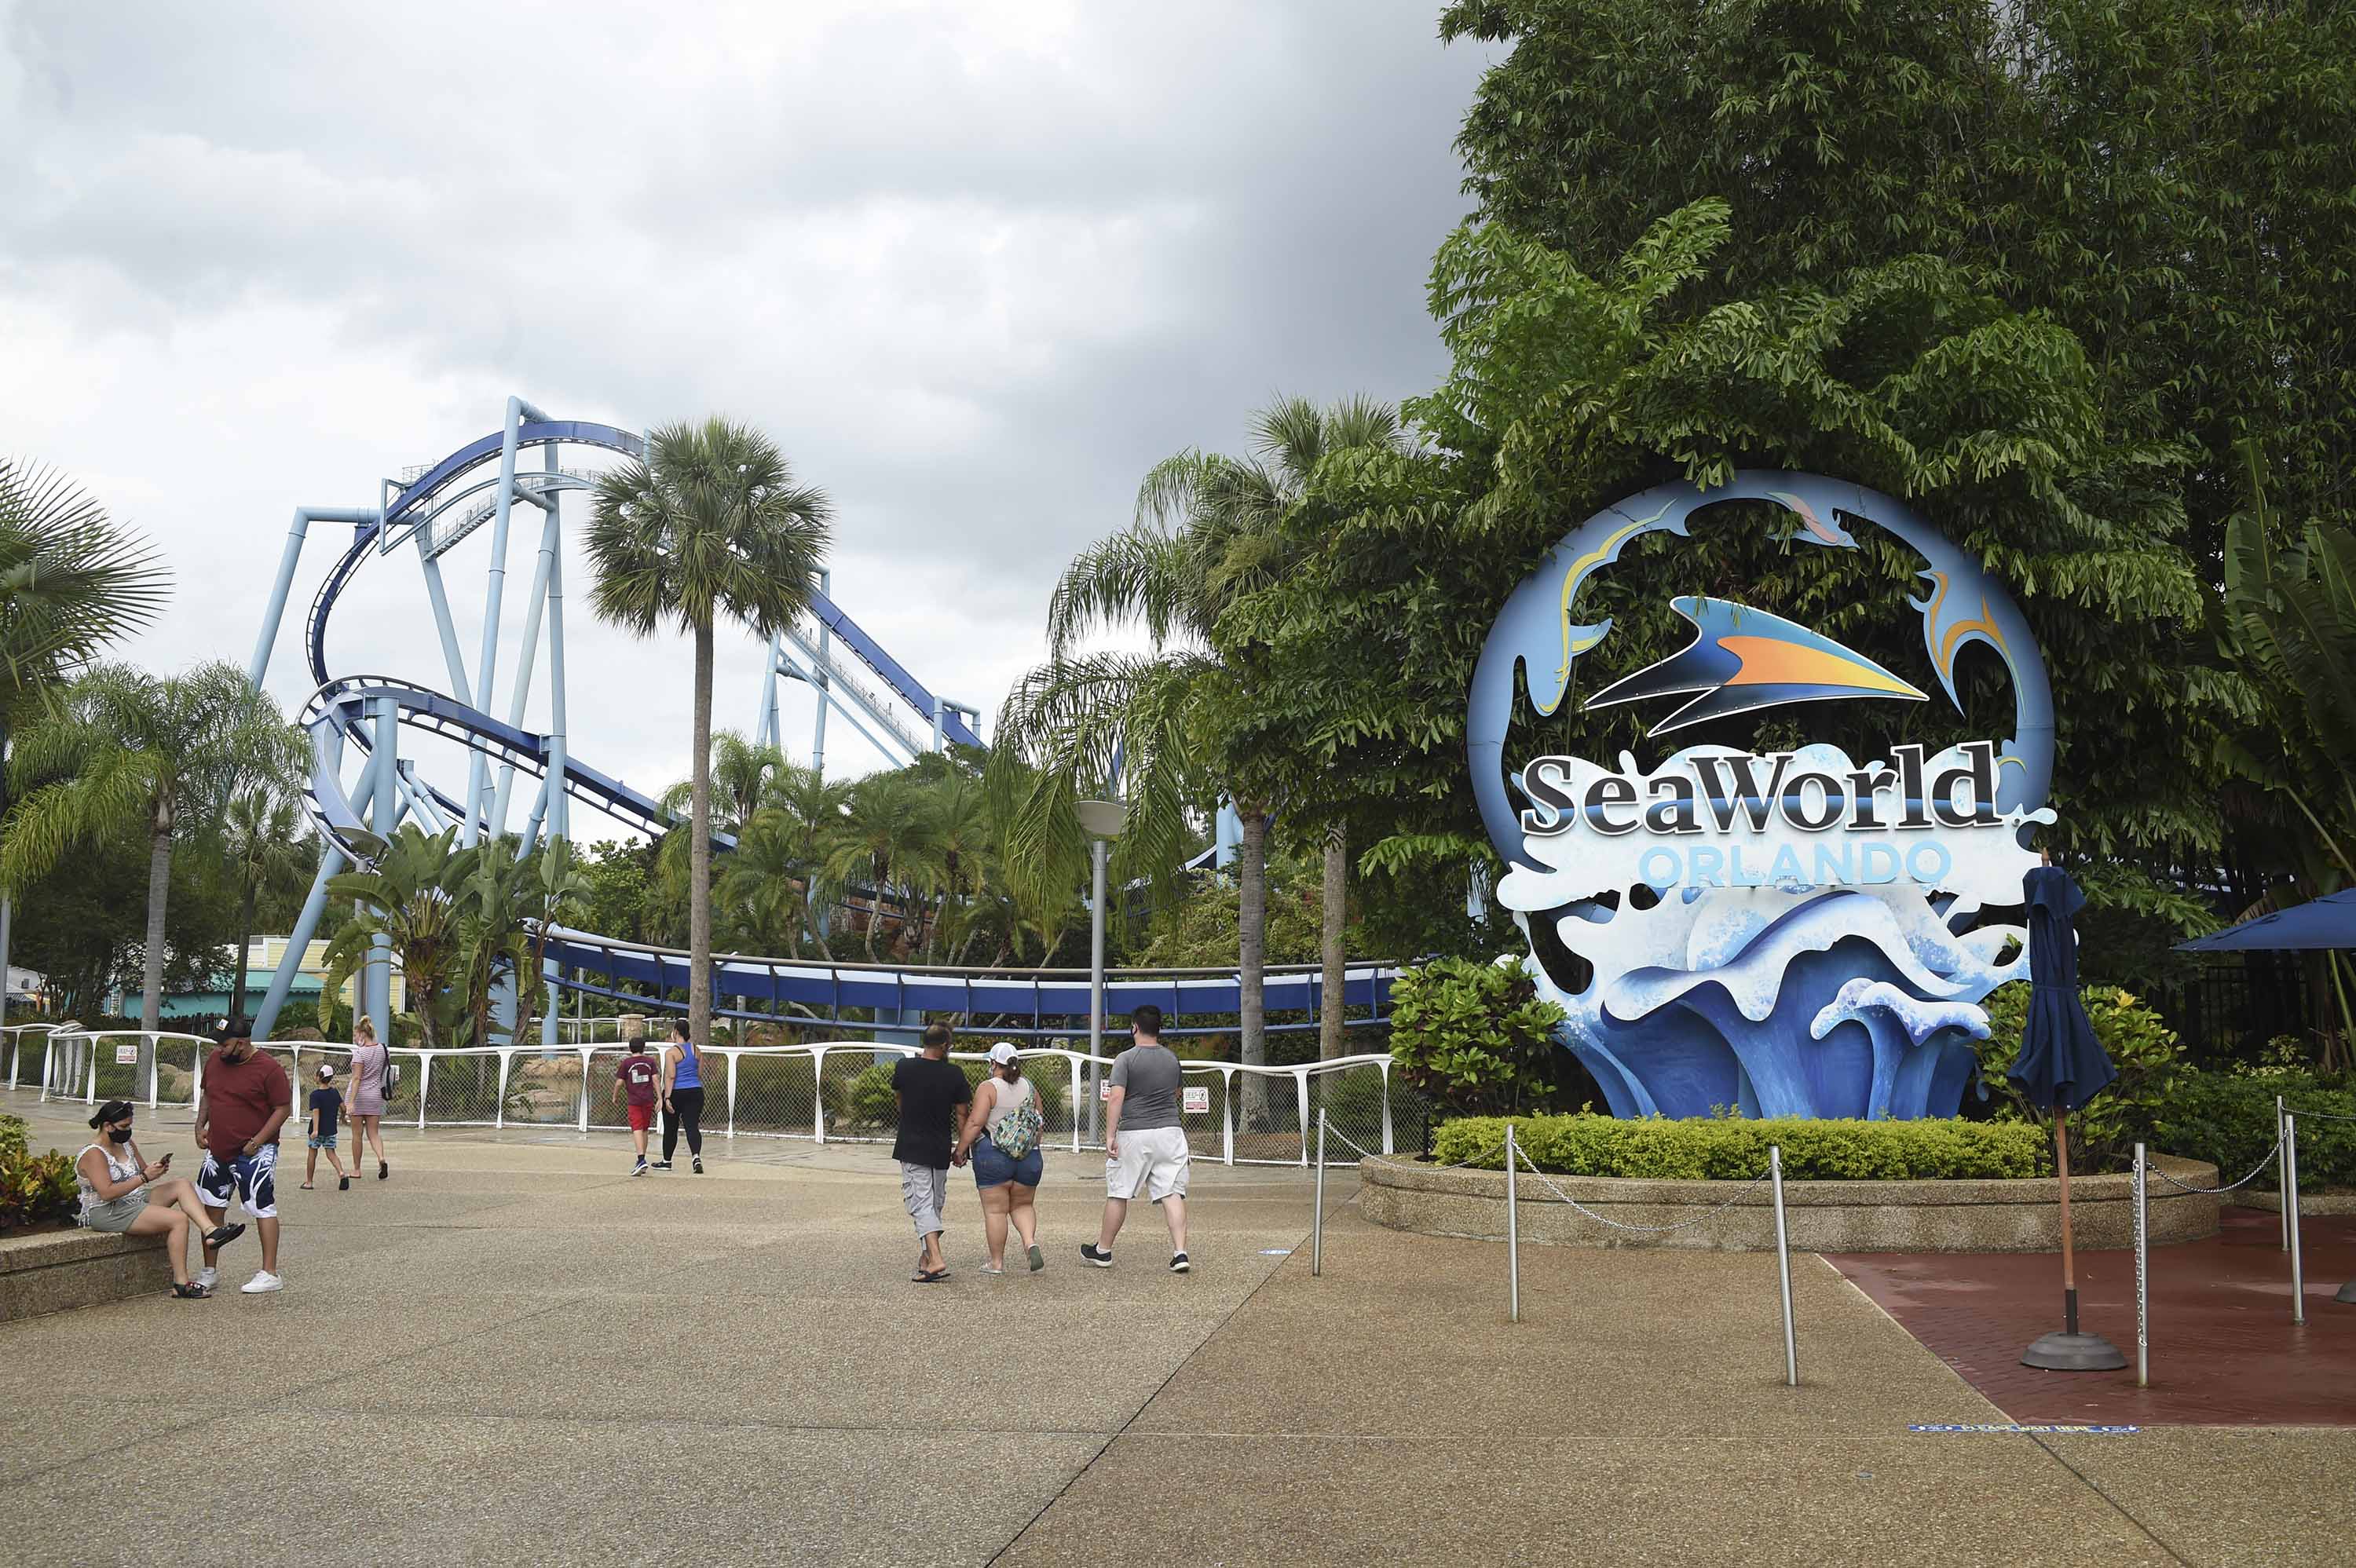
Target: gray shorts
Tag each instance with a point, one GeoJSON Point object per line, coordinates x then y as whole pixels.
{"type": "Point", "coordinates": [924, 1191]}
{"type": "Point", "coordinates": [116, 1217]}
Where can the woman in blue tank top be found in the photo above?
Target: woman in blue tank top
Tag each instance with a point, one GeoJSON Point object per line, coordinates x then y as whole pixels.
{"type": "Point", "coordinates": [682, 1097]}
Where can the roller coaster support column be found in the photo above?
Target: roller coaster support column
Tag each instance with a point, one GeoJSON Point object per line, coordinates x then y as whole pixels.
{"type": "Point", "coordinates": [440, 600]}
{"type": "Point", "coordinates": [764, 733]}
{"type": "Point", "coordinates": [560, 807]}
{"type": "Point", "coordinates": [488, 667]}
{"type": "Point", "coordinates": [359, 516]}
{"type": "Point", "coordinates": [331, 864]}
{"type": "Point", "coordinates": [549, 541]}
{"type": "Point", "coordinates": [384, 762]}
{"type": "Point", "coordinates": [818, 675]}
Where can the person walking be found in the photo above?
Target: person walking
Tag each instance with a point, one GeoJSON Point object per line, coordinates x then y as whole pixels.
{"type": "Point", "coordinates": [637, 1076]}
{"type": "Point", "coordinates": [123, 1195]}
{"type": "Point", "coordinates": [682, 1097]}
{"type": "Point", "coordinates": [246, 1097]}
{"type": "Point", "coordinates": [372, 1082]}
{"type": "Point", "coordinates": [1145, 1145]}
{"type": "Point", "coordinates": [1001, 1132]}
{"type": "Point", "coordinates": [928, 1089]}
{"type": "Point", "coordinates": [327, 1101]}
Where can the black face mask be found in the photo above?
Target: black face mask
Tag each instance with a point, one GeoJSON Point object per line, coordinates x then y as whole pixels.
{"type": "Point", "coordinates": [118, 1134]}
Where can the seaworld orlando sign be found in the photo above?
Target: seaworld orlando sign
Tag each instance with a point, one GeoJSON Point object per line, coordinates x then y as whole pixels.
{"type": "Point", "coordinates": [1791, 932]}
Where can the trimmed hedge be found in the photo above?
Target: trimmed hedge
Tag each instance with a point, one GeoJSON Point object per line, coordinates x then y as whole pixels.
{"type": "Point", "coordinates": [2229, 1117]}
{"type": "Point", "coordinates": [1729, 1149]}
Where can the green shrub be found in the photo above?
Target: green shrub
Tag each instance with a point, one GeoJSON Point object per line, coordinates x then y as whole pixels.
{"type": "Point", "coordinates": [2229, 1118]}
{"type": "Point", "coordinates": [869, 1099]}
{"type": "Point", "coordinates": [2146, 1053]}
{"type": "Point", "coordinates": [1732, 1149]}
{"type": "Point", "coordinates": [34, 1189]}
{"type": "Point", "coordinates": [1476, 1038]}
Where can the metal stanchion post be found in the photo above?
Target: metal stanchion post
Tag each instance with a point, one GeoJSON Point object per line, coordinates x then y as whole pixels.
{"type": "Point", "coordinates": [2290, 1212]}
{"type": "Point", "coordinates": [1783, 1266]}
{"type": "Point", "coordinates": [1317, 1215]}
{"type": "Point", "coordinates": [1513, 1235]}
{"type": "Point", "coordinates": [2143, 1272]}
{"type": "Point", "coordinates": [2282, 1174]}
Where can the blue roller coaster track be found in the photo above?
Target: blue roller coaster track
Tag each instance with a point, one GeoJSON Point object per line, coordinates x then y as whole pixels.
{"type": "Point", "coordinates": [361, 787]}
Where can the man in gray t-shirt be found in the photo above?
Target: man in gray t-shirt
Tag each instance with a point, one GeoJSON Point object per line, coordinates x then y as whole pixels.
{"type": "Point", "coordinates": [1145, 1146]}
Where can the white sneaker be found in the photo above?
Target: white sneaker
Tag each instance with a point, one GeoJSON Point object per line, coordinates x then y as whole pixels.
{"type": "Point", "coordinates": [261, 1283]}
{"type": "Point", "coordinates": [207, 1277]}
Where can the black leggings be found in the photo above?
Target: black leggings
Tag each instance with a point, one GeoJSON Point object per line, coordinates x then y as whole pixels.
{"type": "Point", "coordinates": [686, 1113]}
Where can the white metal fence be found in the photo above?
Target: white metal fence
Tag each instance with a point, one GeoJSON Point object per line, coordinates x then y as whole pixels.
{"type": "Point", "coordinates": [833, 1092]}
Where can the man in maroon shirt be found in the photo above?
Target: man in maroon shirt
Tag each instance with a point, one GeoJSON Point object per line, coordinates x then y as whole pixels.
{"type": "Point", "coordinates": [244, 1098]}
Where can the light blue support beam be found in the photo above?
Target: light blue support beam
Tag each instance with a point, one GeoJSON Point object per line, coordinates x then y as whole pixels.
{"type": "Point", "coordinates": [440, 600]}
{"type": "Point", "coordinates": [288, 558]}
{"type": "Point", "coordinates": [385, 761]}
{"type": "Point", "coordinates": [306, 924]}
{"type": "Point", "coordinates": [560, 804]}
{"type": "Point", "coordinates": [487, 680]}
{"type": "Point", "coordinates": [817, 733]}
{"type": "Point", "coordinates": [764, 733]}
{"type": "Point", "coordinates": [525, 659]}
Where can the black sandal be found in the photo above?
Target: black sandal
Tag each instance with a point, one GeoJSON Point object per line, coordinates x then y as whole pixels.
{"type": "Point", "coordinates": [221, 1236]}
{"type": "Point", "coordinates": [189, 1290]}
{"type": "Point", "coordinates": [382, 1171]}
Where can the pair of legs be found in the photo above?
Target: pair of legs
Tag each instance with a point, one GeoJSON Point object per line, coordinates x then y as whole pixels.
{"type": "Point", "coordinates": [266, 1229]}
{"type": "Point", "coordinates": [172, 1207]}
{"type": "Point", "coordinates": [365, 1134]}
{"type": "Point", "coordinates": [1116, 1212]}
{"type": "Point", "coordinates": [926, 1192]}
{"type": "Point", "coordinates": [1009, 1202]}
{"type": "Point", "coordinates": [311, 1162]}
{"type": "Point", "coordinates": [687, 1116]}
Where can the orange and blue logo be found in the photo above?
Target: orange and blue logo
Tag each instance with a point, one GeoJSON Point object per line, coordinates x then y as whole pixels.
{"type": "Point", "coordinates": [1744, 659]}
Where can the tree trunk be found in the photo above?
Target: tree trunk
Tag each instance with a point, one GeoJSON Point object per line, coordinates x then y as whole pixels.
{"type": "Point", "coordinates": [244, 940]}
{"type": "Point", "coordinates": [1330, 951]}
{"type": "Point", "coordinates": [698, 852]}
{"type": "Point", "coordinates": [159, 890]}
{"type": "Point", "coordinates": [1251, 955]}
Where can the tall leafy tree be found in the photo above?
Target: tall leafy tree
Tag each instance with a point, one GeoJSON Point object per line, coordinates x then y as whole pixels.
{"type": "Point", "coordinates": [139, 755]}
{"type": "Point", "coordinates": [709, 524]}
{"type": "Point", "coordinates": [264, 850]}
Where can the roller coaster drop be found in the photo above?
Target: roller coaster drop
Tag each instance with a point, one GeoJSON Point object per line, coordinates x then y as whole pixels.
{"type": "Point", "coordinates": [361, 788]}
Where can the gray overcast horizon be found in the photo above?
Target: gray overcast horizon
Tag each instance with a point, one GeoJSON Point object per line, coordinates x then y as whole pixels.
{"type": "Point", "coordinates": [975, 266]}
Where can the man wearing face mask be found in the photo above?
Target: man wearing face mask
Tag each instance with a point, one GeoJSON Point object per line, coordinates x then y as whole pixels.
{"type": "Point", "coordinates": [246, 1097]}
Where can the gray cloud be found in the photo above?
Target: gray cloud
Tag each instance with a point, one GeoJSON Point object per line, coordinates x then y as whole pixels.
{"type": "Point", "coordinates": [976, 267]}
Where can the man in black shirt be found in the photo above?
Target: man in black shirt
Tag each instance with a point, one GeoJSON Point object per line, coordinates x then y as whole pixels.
{"type": "Point", "coordinates": [931, 1091]}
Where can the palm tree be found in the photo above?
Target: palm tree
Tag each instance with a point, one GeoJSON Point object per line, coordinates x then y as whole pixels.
{"type": "Point", "coordinates": [1208, 530]}
{"type": "Point", "coordinates": [262, 845]}
{"type": "Point", "coordinates": [887, 839]}
{"type": "Point", "coordinates": [71, 581]}
{"type": "Point", "coordinates": [412, 894]}
{"type": "Point", "coordinates": [709, 524]}
{"type": "Point", "coordinates": [129, 752]}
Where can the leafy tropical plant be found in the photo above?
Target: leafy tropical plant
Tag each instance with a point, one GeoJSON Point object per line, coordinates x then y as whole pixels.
{"type": "Point", "coordinates": [1476, 1039]}
{"type": "Point", "coordinates": [34, 1189]}
{"type": "Point", "coordinates": [709, 524]}
{"type": "Point", "coordinates": [128, 754]}
{"type": "Point", "coordinates": [410, 893]}
{"type": "Point", "coordinates": [71, 580]}
{"type": "Point", "coordinates": [2147, 1054]}
{"type": "Point", "coordinates": [263, 847]}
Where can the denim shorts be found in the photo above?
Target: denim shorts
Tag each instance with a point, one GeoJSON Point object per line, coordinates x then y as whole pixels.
{"type": "Point", "coordinates": [992, 1167]}
{"type": "Point", "coordinates": [328, 1143]}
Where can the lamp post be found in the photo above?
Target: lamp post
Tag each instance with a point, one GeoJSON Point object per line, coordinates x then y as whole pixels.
{"type": "Point", "coordinates": [1101, 821]}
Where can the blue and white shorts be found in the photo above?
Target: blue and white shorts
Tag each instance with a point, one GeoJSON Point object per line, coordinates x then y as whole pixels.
{"type": "Point", "coordinates": [251, 1177]}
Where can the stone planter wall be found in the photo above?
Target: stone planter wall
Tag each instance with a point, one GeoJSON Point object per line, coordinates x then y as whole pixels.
{"type": "Point", "coordinates": [2003, 1216]}
{"type": "Point", "coordinates": [60, 1270]}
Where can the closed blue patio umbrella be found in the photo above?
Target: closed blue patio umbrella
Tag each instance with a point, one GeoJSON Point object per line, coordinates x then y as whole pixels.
{"type": "Point", "coordinates": [2061, 1067]}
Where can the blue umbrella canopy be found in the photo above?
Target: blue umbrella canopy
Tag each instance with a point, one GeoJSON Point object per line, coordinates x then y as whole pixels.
{"type": "Point", "coordinates": [2062, 1066]}
{"type": "Point", "coordinates": [2328, 922]}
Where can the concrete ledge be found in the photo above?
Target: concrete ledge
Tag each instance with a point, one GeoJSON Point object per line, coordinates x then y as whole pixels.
{"type": "Point", "coordinates": [2002, 1216]}
{"type": "Point", "coordinates": [60, 1270]}
{"type": "Point", "coordinates": [2310, 1205]}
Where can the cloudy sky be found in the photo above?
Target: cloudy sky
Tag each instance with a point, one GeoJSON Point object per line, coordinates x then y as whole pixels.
{"type": "Point", "coordinates": [975, 265]}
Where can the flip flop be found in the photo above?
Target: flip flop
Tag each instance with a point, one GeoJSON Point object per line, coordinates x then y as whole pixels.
{"type": "Point", "coordinates": [933, 1278]}
{"type": "Point", "coordinates": [306, 1187]}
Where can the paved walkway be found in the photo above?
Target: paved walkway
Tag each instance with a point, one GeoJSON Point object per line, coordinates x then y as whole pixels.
{"type": "Point", "coordinates": [513, 1352]}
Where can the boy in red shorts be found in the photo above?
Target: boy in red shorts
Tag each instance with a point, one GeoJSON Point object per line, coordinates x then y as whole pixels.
{"type": "Point", "coordinates": [637, 1075]}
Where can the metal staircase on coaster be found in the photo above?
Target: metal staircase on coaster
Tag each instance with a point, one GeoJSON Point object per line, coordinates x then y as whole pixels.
{"type": "Point", "coordinates": [360, 788]}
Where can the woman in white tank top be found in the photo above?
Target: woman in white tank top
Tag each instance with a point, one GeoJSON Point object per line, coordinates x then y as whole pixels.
{"type": "Point", "coordinates": [123, 1195]}
{"type": "Point", "coordinates": [1003, 1128]}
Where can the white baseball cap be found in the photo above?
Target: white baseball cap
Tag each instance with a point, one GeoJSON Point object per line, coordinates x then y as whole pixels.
{"type": "Point", "coordinates": [1002, 1054]}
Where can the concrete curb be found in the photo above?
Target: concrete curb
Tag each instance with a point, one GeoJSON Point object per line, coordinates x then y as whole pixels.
{"type": "Point", "coordinates": [1989, 1216]}
{"type": "Point", "coordinates": [57, 1270]}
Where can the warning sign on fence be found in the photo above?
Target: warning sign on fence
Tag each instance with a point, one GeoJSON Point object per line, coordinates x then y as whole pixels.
{"type": "Point", "coordinates": [127, 1054]}
{"type": "Point", "coordinates": [1197, 1100]}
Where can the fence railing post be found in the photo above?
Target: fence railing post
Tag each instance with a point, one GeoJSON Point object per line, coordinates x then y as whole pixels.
{"type": "Point", "coordinates": [2290, 1211]}
{"type": "Point", "coordinates": [2282, 1174]}
{"type": "Point", "coordinates": [1227, 1115]}
{"type": "Point", "coordinates": [2143, 1271]}
{"type": "Point", "coordinates": [732, 1092]}
{"type": "Point", "coordinates": [1300, 1103]}
{"type": "Point", "coordinates": [817, 1093]}
{"type": "Point", "coordinates": [1384, 1067]}
{"type": "Point", "coordinates": [499, 1109]}
{"type": "Point", "coordinates": [1072, 1059]}
{"type": "Point", "coordinates": [1513, 1233]}
{"type": "Point", "coordinates": [90, 1095]}
{"type": "Point", "coordinates": [585, 1054]}
{"type": "Point", "coordinates": [1784, 1267]}
{"type": "Point", "coordinates": [1317, 1211]}
{"type": "Point", "coordinates": [425, 1081]}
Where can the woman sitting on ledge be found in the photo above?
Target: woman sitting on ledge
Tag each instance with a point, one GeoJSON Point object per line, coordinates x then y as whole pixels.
{"type": "Point", "coordinates": [123, 1195]}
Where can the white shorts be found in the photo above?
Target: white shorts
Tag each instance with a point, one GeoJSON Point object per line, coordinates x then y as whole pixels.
{"type": "Point", "coordinates": [1153, 1163]}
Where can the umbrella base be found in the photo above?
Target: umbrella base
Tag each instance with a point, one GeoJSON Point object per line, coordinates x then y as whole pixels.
{"type": "Point", "coordinates": [2347, 1296]}
{"type": "Point", "coordinates": [2073, 1353]}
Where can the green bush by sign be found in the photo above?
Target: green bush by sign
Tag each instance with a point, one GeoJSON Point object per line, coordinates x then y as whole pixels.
{"type": "Point", "coordinates": [1475, 1037]}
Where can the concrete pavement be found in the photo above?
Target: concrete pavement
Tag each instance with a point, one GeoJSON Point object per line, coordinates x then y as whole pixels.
{"type": "Point", "coordinates": [514, 1351]}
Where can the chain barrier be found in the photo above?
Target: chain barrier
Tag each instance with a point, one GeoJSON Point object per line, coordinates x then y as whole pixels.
{"type": "Point", "coordinates": [2213, 1191]}
{"type": "Point", "coordinates": [2319, 1116]}
{"type": "Point", "coordinates": [1364, 1153]}
{"type": "Point", "coordinates": [1548, 1183]}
